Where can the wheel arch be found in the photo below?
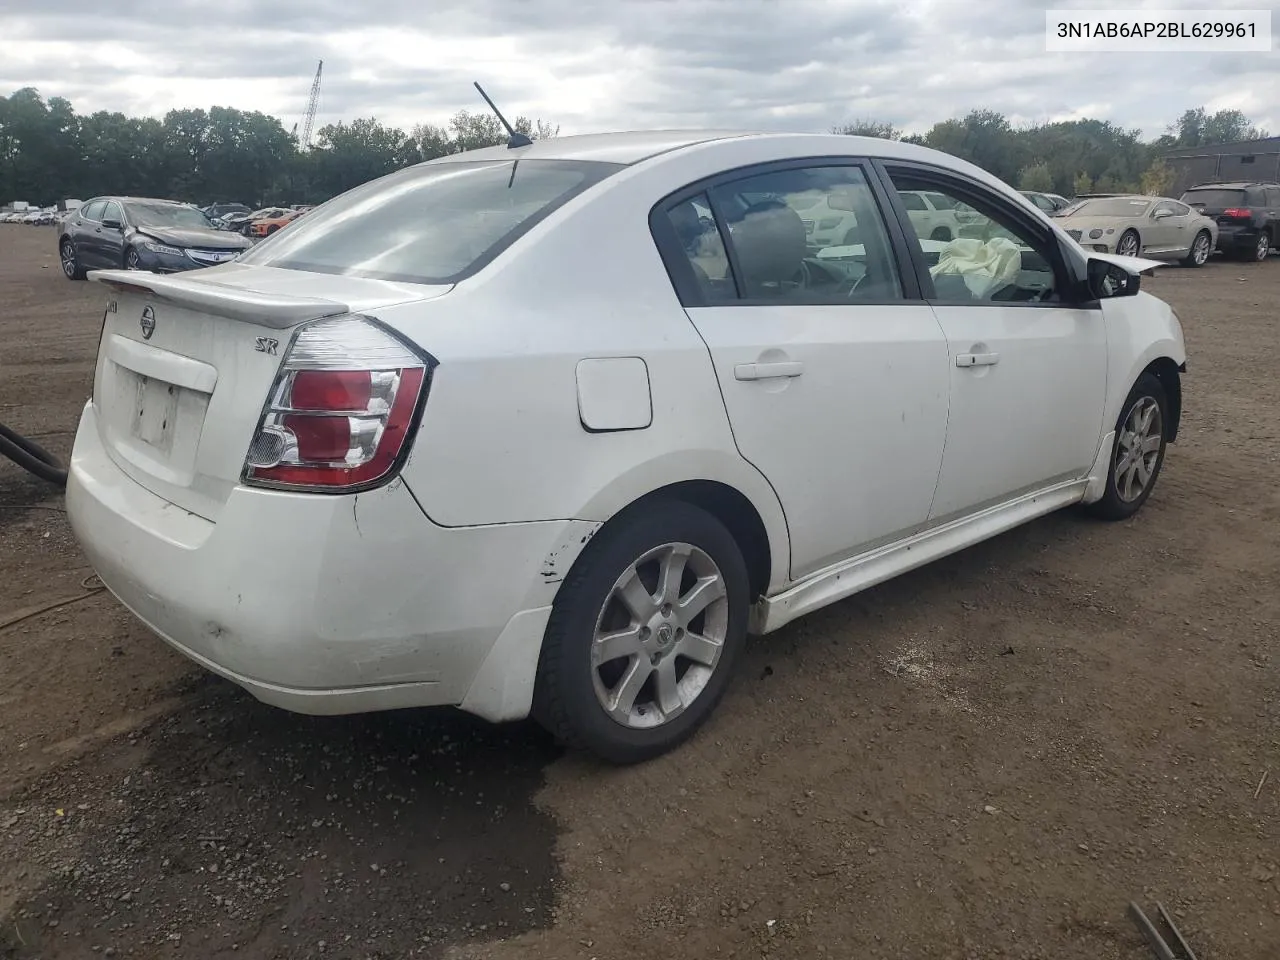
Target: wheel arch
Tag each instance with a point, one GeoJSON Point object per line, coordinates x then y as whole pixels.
{"type": "Point", "coordinates": [733, 509]}
{"type": "Point", "coordinates": [1169, 373]}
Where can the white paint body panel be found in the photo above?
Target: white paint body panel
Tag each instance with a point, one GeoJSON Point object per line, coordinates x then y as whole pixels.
{"type": "Point", "coordinates": [1029, 420]}
{"type": "Point", "coordinates": [875, 379]}
{"type": "Point", "coordinates": [436, 588]}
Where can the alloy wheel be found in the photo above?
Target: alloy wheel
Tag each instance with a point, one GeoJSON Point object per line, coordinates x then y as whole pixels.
{"type": "Point", "coordinates": [1200, 251]}
{"type": "Point", "coordinates": [1128, 246]}
{"type": "Point", "coordinates": [659, 636]}
{"type": "Point", "coordinates": [68, 253]}
{"type": "Point", "coordinates": [1138, 449]}
{"type": "Point", "coordinates": [1263, 248]}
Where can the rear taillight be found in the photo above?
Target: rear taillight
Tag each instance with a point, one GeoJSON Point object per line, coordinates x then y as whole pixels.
{"type": "Point", "coordinates": [341, 411]}
{"type": "Point", "coordinates": [1236, 212]}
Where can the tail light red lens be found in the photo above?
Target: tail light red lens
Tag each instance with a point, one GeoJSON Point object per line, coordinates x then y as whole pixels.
{"type": "Point", "coordinates": [336, 390]}
{"type": "Point", "coordinates": [1241, 212]}
{"type": "Point", "coordinates": [342, 410]}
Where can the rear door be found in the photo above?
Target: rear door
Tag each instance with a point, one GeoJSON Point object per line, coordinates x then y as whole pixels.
{"type": "Point", "coordinates": [832, 370]}
{"type": "Point", "coordinates": [88, 235]}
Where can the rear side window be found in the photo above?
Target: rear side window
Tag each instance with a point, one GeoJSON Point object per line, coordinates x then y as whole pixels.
{"type": "Point", "coordinates": [434, 223]}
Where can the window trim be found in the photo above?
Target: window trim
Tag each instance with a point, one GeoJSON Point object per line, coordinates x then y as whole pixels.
{"type": "Point", "coordinates": [680, 271]}
{"type": "Point", "coordinates": [1069, 270]}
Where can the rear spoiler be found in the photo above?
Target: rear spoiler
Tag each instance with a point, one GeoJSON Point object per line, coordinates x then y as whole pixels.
{"type": "Point", "coordinates": [235, 303]}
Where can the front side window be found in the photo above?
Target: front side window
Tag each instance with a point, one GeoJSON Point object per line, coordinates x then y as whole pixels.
{"type": "Point", "coordinates": [986, 257]}
{"type": "Point", "coordinates": [93, 211]}
{"type": "Point", "coordinates": [432, 223]}
{"type": "Point", "coordinates": [112, 212]}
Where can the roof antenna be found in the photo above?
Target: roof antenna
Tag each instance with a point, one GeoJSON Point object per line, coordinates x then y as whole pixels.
{"type": "Point", "coordinates": [516, 139]}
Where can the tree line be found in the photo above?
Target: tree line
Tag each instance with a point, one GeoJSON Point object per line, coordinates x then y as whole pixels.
{"type": "Point", "coordinates": [1070, 157]}
{"type": "Point", "coordinates": [48, 152]}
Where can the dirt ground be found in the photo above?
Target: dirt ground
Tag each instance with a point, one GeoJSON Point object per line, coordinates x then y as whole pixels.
{"type": "Point", "coordinates": [988, 758]}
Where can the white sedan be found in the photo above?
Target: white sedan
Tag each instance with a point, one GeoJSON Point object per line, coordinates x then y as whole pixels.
{"type": "Point", "coordinates": [551, 429]}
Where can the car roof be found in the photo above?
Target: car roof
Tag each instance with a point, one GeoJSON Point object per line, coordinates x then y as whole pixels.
{"type": "Point", "coordinates": [1233, 185]}
{"type": "Point", "coordinates": [623, 147]}
{"type": "Point", "coordinates": [635, 146]}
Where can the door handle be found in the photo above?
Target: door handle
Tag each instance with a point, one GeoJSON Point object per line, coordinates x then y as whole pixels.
{"type": "Point", "coordinates": [977, 359]}
{"type": "Point", "coordinates": [768, 371]}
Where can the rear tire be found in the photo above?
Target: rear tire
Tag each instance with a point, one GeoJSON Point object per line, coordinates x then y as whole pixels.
{"type": "Point", "coordinates": [1137, 453]}
{"type": "Point", "coordinates": [610, 677]}
{"type": "Point", "coordinates": [1261, 248]}
{"type": "Point", "coordinates": [1198, 255]}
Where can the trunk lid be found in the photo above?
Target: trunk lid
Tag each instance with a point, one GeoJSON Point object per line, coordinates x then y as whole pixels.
{"type": "Point", "coordinates": [186, 363]}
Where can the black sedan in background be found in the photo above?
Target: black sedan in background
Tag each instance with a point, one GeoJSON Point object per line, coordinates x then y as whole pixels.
{"type": "Point", "coordinates": [141, 234]}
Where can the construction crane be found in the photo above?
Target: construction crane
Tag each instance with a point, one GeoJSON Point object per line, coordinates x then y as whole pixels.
{"type": "Point", "coordinates": [313, 103]}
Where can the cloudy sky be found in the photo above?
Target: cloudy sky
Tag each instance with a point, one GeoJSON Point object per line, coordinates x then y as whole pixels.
{"type": "Point", "coordinates": [617, 64]}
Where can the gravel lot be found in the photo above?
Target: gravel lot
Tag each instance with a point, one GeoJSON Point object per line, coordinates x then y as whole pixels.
{"type": "Point", "coordinates": [985, 759]}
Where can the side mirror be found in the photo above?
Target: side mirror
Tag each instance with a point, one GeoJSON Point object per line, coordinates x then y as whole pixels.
{"type": "Point", "coordinates": [112, 224]}
{"type": "Point", "coordinates": [1108, 280]}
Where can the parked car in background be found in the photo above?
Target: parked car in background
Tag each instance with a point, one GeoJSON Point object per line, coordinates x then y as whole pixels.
{"type": "Point", "coordinates": [242, 223]}
{"type": "Point", "coordinates": [1247, 215]}
{"type": "Point", "coordinates": [1051, 203]}
{"type": "Point", "coordinates": [1135, 225]}
{"type": "Point", "coordinates": [260, 227]}
{"type": "Point", "coordinates": [216, 211]}
{"type": "Point", "coordinates": [142, 234]}
{"type": "Point", "coordinates": [392, 456]}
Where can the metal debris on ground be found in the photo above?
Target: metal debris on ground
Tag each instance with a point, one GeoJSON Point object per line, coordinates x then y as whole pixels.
{"type": "Point", "coordinates": [1157, 943]}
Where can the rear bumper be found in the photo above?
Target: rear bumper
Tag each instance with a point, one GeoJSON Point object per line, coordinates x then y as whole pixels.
{"type": "Point", "coordinates": [1237, 237]}
{"type": "Point", "coordinates": [325, 604]}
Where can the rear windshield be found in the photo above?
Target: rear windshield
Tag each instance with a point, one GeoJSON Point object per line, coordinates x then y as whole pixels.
{"type": "Point", "coordinates": [1215, 198]}
{"type": "Point", "coordinates": [433, 223]}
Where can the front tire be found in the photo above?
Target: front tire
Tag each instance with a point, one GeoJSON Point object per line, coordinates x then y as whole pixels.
{"type": "Point", "coordinates": [71, 268]}
{"type": "Point", "coordinates": [1129, 244]}
{"type": "Point", "coordinates": [644, 634]}
{"type": "Point", "coordinates": [1138, 451]}
{"type": "Point", "coordinates": [131, 260]}
{"type": "Point", "coordinates": [1198, 255]}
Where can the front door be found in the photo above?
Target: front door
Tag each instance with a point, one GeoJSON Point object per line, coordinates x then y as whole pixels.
{"type": "Point", "coordinates": [1028, 371]}
{"type": "Point", "coordinates": [834, 374]}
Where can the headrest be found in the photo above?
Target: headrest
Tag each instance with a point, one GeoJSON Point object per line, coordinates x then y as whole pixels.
{"type": "Point", "coordinates": [770, 241]}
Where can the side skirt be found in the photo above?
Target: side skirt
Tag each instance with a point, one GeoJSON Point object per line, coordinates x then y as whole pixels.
{"type": "Point", "coordinates": [858, 573]}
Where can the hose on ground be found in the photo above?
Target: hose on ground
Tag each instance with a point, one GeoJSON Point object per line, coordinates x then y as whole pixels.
{"type": "Point", "coordinates": [32, 457]}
